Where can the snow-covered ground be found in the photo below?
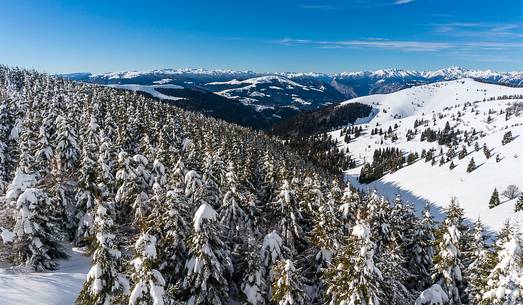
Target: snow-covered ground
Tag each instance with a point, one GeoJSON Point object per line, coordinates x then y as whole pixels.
{"type": "Point", "coordinates": [150, 89]}
{"type": "Point", "coordinates": [60, 287]}
{"type": "Point", "coordinates": [438, 103]}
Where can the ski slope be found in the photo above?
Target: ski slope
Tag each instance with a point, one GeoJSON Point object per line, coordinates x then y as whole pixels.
{"type": "Point", "coordinates": [465, 104]}
{"type": "Point", "coordinates": [60, 287]}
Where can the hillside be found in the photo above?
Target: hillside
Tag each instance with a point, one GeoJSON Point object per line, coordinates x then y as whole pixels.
{"type": "Point", "coordinates": [476, 113]}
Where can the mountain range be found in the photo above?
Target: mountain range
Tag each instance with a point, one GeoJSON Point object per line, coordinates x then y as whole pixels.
{"type": "Point", "coordinates": [278, 96]}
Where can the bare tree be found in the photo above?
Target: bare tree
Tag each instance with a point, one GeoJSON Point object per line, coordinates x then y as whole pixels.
{"type": "Point", "coordinates": [511, 192]}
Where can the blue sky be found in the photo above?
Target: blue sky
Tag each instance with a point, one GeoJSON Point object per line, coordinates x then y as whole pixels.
{"type": "Point", "coordinates": [284, 35]}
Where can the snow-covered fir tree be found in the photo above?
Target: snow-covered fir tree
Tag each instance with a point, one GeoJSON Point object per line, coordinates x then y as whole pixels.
{"type": "Point", "coordinates": [106, 283]}
{"type": "Point", "coordinates": [286, 207]}
{"type": "Point", "coordinates": [504, 283]}
{"type": "Point", "coordinates": [288, 287]}
{"type": "Point", "coordinates": [448, 266]}
{"type": "Point", "coordinates": [421, 249]}
{"type": "Point", "coordinates": [37, 231]}
{"type": "Point", "coordinates": [149, 284]}
{"type": "Point", "coordinates": [353, 278]}
{"type": "Point", "coordinates": [482, 262]}
{"type": "Point", "coordinates": [208, 265]}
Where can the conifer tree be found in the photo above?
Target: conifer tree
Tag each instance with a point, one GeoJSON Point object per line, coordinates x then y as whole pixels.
{"type": "Point", "coordinates": [149, 284]}
{"type": "Point", "coordinates": [4, 156]}
{"type": "Point", "coordinates": [519, 204]}
{"type": "Point", "coordinates": [253, 284]}
{"type": "Point", "coordinates": [87, 180]}
{"type": "Point", "coordinates": [177, 175]}
{"type": "Point", "coordinates": [271, 251]}
{"type": "Point", "coordinates": [391, 263]}
{"type": "Point", "coordinates": [126, 189]}
{"type": "Point", "coordinates": [142, 185]}
{"type": "Point", "coordinates": [285, 204]}
{"type": "Point", "coordinates": [37, 231]}
{"type": "Point", "coordinates": [486, 151]}
{"type": "Point", "coordinates": [167, 221]}
{"type": "Point", "coordinates": [194, 189]}
{"type": "Point", "coordinates": [347, 210]}
{"type": "Point", "coordinates": [507, 138]}
{"type": "Point", "coordinates": [288, 287]}
{"type": "Point", "coordinates": [421, 250]}
{"type": "Point", "coordinates": [494, 199]}
{"type": "Point", "coordinates": [472, 165]}
{"type": "Point", "coordinates": [105, 283]}
{"type": "Point", "coordinates": [44, 149]}
{"type": "Point", "coordinates": [482, 262]}
{"type": "Point", "coordinates": [231, 213]}
{"type": "Point", "coordinates": [208, 264]}
{"type": "Point", "coordinates": [212, 179]}
{"type": "Point", "coordinates": [353, 278]}
{"type": "Point", "coordinates": [67, 150]}
{"type": "Point", "coordinates": [505, 280]}
{"type": "Point", "coordinates": [448, 266]}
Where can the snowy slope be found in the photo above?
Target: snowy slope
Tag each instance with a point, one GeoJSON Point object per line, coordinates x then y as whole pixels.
{"type": "Point", "coordinates": [60, 287]}
{"type": "Point", "coordinates": [150, 90]}
{"type": "Point", "coordinates": [465, 104]}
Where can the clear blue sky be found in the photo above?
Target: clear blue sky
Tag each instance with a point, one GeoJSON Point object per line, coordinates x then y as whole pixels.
{"type": "Point", "coordinates": [284, 35]}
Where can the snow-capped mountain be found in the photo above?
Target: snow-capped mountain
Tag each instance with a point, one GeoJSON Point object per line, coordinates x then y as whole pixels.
{"type": "Point", "coordinates": [294, 90]}
{"type": "Point", "coordinates": [472, 114]}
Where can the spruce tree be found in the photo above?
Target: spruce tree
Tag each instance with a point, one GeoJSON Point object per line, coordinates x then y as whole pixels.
{"type": "Point", "coordinates": [288, 287]}
{"type": "Point", "coordinates": [149, 284]}
{"type": "Point", "coordinates": [167, 221]}
{"type": "Point", "coordinates": [494, 199]}
{"type": "Point", "coordinates": [126, 188]}
{"type": "Point", "coordinates": [105, 283]}
{"type": "Point", "coordinates": [519, 204]}
{"type": "Point", "coordinates": [347, 210]}
{"type": "Point", "coordinates": [505, 280]}
{"type": "Point", "coordinates": [36, 243]}
{"type": "Point", "coordinates": [208, 264]}
{"type": "Point", "coordinates": [482, 262]}
{"type": "Point", "coordinates": [86, 187]}
{"type": "Point", "coordinates": [271, 251]}
{"type": "Point", "coordinates": [471, 166]}
{"type": "Point", "coordinates": [67, 149]}
{"type": "Point", "coordinates": [421, 250]}
{"type": "Point", "coordinates": [507, 138]}
{"type": "Point", "coordinates": [4, 156]}
{"type": "Point", "coordinates": [448, 266]}
{"type": "Point", "coordinates": [486, 151]}
{"type": "Point", "coordinates": [231, 213]}
{"type": "Point", "coordinates": [286, 206]}
{"type": "Point", "coordinates": [253, 286]}
{"type": "Point", "coordinates": [353, 278]}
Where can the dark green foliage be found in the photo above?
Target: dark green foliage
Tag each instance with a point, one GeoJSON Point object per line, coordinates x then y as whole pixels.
{"type": "Point", "coordinates": [321, 120]}
{"type": "Point", "coordinates": [519, 204]}
{"type": "Point", "coordinates": [384, 160]}
{"type": "Point", "coordinates": [494, 199]}
{"type": "Point", "coordinates": [507, 138]}
{"type": "Point", "coordinates": [471, 166]}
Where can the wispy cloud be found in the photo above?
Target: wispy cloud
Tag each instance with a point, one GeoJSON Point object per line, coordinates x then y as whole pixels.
{"type": "Point", "coordinates": [400, 2]}
{"type": "Point", "coordinates": [405, 45]}
{"type": "Point", "coordinates": [376, 43]}
{"type": "Point", "coordinates": [479, 29]}
{"type": "Point", "coordinates": [353, 4]}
